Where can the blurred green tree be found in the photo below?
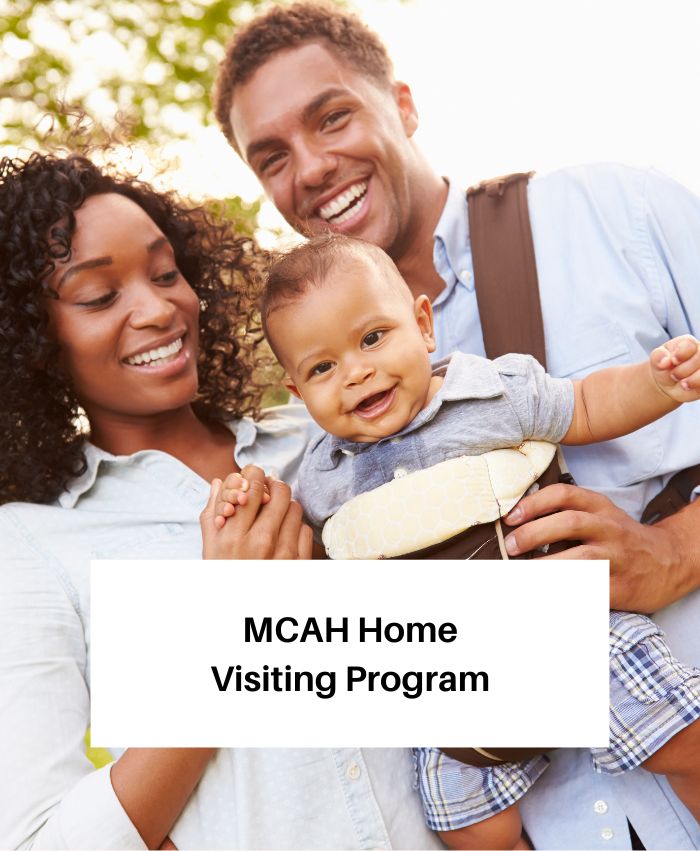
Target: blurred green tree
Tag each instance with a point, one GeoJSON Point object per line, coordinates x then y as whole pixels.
{"type": "Point", "coordinates": [151, 61]}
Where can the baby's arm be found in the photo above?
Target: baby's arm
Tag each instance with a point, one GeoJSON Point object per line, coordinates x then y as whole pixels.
{"type": "Point", "coordinates": [619, 400]}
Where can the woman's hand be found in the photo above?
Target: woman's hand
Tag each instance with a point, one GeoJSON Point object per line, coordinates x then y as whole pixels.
{"type": "Point", "coordinates": [274, 529]}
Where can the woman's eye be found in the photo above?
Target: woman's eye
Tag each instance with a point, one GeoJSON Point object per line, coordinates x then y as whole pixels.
{"type": "Point", "coordinates": [101, 301]}
{"type": "Point", "coordinates": [372, 338]}
{"type": "Point", "coordinates": [167, 277]}
{"type": "Point", "coordinates": [320, 368]}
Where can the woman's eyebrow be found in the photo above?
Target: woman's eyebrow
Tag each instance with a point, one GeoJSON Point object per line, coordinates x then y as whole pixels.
{"type": "Point", "coordinates": [157, 243]}
{"type": "Point", "coordinates": [95, 263]}
{"type": "Point", "coordinates": [86, 264]}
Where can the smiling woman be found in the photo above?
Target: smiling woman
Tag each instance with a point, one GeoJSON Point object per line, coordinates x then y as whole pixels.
{"type": "Point", "coordinates": [122, 305]}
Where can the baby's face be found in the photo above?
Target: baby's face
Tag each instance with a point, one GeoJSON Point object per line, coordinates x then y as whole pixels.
{"type": "Point", "coordinates": [356, 350]}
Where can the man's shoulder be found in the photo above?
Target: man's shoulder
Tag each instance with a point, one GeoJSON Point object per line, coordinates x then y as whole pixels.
{"type": "Point", "coordinates": [591, 180]}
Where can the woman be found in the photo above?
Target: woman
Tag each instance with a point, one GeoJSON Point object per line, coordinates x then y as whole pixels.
{"type": "Point", "coordinates": [127, 353]}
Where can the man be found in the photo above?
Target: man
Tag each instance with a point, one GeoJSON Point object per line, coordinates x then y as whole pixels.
{"type": "Point", "coordinates": [307, 98]}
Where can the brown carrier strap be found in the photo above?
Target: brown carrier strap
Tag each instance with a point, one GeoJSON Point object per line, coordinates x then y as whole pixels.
{"type": "Point", "coordinates": [508, 297]}
{"type": "Point", "coordinates": [505, 272]}
{"type": "Point", "coordinates": [673, 497]}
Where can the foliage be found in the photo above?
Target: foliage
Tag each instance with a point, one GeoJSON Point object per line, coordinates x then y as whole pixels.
{"type": "Point", "coordinates": [152, 61]}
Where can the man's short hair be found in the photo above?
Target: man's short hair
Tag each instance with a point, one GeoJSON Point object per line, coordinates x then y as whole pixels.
{"type": "Point", "coordinates": [309, 265]}
{"type": "Point", "coordinates": [285, 27]}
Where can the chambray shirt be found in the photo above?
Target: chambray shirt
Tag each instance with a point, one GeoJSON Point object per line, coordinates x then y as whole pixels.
{"type": "Point", "coordinates": [147, 505]}
{"type": "Point", "coordinates": [480, 405]}
{"type": "Point", "coordinates": [618, 259]}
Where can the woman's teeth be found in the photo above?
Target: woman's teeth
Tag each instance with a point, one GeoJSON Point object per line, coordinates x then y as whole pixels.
{"type": "Point", "coordinates": [157, 356]}
{"type": "Point", "coordinates": [338, 208]}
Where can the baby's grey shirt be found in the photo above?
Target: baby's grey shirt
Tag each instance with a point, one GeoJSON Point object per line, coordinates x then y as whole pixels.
{"type": "Point", "coordinates": [481, 405]}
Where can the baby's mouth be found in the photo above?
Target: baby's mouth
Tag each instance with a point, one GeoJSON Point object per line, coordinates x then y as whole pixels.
{"type": "Point", "coordinates": [375, 405]}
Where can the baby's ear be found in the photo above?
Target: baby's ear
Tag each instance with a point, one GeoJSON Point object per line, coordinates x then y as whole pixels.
{"type": "Point", "coordinates": [291, 386]}
{"type": "Point", "coordinates": [423, 311]}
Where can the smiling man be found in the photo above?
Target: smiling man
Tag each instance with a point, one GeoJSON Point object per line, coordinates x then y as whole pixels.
{"type": "Point", "coordinates": [307, 97]}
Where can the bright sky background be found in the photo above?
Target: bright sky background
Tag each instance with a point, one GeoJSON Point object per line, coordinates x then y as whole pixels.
{"type": "Point", "coordinates": [515, 85]}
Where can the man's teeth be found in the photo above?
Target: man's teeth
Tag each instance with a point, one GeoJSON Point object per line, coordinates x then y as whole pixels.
{"type": "Point", "coordinates": [155, 356]}
{"type": "Point", "coordinates": [338, 207]}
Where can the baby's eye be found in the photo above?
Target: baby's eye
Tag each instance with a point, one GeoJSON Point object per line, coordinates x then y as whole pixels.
{"type": "Point", "coordinates": [372, 338]}
{"type": "Point", "coordinates": [320, 368]}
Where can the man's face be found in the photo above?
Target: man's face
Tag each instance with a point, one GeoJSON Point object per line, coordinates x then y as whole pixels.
{"type": "Point", "coordinates": [332, 148]}
{"type": "Point", "coordinates": [356, 349]}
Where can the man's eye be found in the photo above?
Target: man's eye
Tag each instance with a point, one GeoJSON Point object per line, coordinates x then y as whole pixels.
{"type": "Point", "coordinates": [335, 118]}
{"type": "Point", "coordinates": [167, 277]}
{"type": "Point", "coordinates": [269, 162]}
{"type": "Point", "coordinates": [102, 301]}
{"type": "Point", "coordinates": [372, 338]}
{"type": "Point", "coordinates": [320, 368]}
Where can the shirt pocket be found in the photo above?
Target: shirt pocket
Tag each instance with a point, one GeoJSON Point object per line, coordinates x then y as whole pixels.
{"type": "Point", "coordinates": [625, 460]}
{"type": "Point", "coordinates": [152, 541]}
{"type": "Point", "coordinates": [590, 349]}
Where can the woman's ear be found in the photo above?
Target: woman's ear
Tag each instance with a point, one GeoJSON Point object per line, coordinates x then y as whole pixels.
{"type": "Point", "coordinates": [423, 311]}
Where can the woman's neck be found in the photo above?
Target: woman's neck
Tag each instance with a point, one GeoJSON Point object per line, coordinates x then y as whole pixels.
{"type": "Point", "coordinates": [207, 448]}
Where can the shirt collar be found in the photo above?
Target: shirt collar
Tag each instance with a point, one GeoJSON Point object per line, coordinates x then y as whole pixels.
{"type": "Point", "coordinates": [452, 254]}
{"type": "Point", "coordinates": [245, 431]}
{"type": "Point", "coordinates": [464, 377]}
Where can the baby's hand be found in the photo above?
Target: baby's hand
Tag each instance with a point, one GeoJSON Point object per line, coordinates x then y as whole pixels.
{"type": "Point", "coordinates": [234, 491]}
{"type": "Point", "coordinates": [676, 368]}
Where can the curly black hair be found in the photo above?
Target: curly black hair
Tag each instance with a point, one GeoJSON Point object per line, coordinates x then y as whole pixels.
{"type": "Point", "coordinates": [41, 443]}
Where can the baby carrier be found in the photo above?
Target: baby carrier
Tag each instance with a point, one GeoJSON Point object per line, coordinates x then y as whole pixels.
{"type": "Point", "coordinates": [505, 278]}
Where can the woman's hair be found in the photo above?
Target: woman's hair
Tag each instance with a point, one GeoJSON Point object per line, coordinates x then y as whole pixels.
{"type": "Point", "coordinates": [41, 444]}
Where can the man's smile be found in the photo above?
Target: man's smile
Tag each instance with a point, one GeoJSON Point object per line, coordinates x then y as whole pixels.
{"type": "Point", "coordinates": [345, 204]}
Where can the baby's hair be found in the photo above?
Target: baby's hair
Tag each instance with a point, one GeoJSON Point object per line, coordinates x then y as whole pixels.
{"type": "Point", "coordinates": [291, 274]}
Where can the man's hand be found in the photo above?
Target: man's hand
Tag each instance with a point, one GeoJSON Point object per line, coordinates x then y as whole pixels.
{"type": "Point", "coordinates": [650, 566]}
{"type": "Point", "coordinates": [675, 367]}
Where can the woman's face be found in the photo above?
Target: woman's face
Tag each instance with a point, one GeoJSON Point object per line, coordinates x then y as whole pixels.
{"type": "Point", "coordinates": [125, 318]}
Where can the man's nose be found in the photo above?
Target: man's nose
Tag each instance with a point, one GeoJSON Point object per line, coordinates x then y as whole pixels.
{"type": "Point", "coordinates": [151, 306]}
{"type": "Point", "coordinates": [315, 165]}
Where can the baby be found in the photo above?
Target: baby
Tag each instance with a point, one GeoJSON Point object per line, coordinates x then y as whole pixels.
{"type": "Point", "coordinates": [355, 346]}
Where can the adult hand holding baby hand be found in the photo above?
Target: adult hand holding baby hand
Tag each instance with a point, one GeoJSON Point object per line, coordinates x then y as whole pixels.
{"type": "Point", "coordinates": [269, 524]}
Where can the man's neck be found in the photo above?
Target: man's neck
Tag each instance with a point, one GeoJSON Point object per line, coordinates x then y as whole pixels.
{"type": "Point", "coordinates": [416, 260]}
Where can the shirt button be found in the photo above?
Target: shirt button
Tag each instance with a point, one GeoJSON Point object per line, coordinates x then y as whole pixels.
{"type": "Point", "coordinates": [396, 440]}
{"type": "Point", "coordinates": [400, 472]}
{"type": "Point", "coordinates": [465, 274]}
{"type": "Point", "coordinates": [353, 771]}
{"type": "Point", "coordinates": [600, 807]}
{"type": "Point", "coordinates": [607, 833]}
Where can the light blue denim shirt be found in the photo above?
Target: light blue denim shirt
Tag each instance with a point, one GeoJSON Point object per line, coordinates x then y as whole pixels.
{"type": "Point", "coordinates": [618, 259]}
{"type": "Point", "coordinates": [147, 506]}
{"type": "Point", "coordinates": [481, 405]}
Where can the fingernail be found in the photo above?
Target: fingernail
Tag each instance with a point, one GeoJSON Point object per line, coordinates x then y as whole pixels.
{"type": "Point", "coordinates": [511, 545]}
{"type": "Point", "coordinates": [685, 385]}
{"type": "Point", "coordinates": [515, 515]}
